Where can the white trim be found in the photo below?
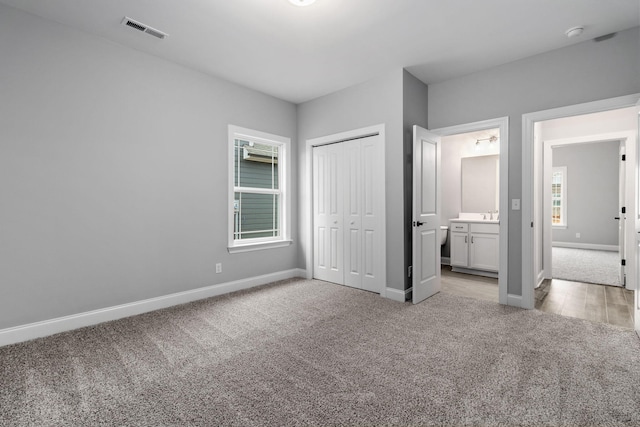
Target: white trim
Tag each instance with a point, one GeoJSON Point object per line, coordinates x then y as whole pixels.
{"type": "Point", "coordinates": [284, 144]}
{"type": "Point", "coordinates": [503, 124]}
{"type": "Point", "coordinates": [397, 294]}
{"type": "Point", "coordinates": [67, 323]}
{"type": "Point", "coordinates": [259, 246]}
{"type": "Point", "coordinates": [528, 122]}
{"type": "Point", "coordinates": [514, 300]}
{"type": "Point", "coordinates": [593, 246]}
{"type": "Point", "coordinates": [445, 260]}
{"type": "Point", "coordinates": [306, 219]}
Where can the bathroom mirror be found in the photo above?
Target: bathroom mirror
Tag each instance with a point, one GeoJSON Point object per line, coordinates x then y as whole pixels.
{"type": "Point", "coordinates": [480, 183]}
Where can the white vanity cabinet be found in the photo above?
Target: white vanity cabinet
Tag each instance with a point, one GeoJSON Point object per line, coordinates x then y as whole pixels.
{"type": "Point", "coordinates": [459, 243]}
{"type": "Point", "coordinates": [475, 247]}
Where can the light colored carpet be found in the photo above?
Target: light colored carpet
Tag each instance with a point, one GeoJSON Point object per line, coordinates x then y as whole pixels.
{"type": "Point", "coordinates": [310, 353]}
{"type": "Point", "coordinates": [586, 265]}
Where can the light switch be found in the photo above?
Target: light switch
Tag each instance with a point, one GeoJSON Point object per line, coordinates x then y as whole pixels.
{"type": "Point", "coordinates": [515, 204]}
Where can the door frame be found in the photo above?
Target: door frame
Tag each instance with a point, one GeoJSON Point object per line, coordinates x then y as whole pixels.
{"type": "Point", "coordinates": [619, 138]}
{"type": "Point", "coordinates": [375, 130]}
{"type": "Point", "coordinates": [501, 123]}
{"type": "Point", "coordinates": [528, 203]}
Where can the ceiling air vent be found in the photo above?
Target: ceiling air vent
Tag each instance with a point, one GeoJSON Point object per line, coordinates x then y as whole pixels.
{"type": "Point", "coordinates": [128, 22]}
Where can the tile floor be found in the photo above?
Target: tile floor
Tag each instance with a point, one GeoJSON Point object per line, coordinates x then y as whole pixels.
{"type": "Point", "coordinates": [598, 303]}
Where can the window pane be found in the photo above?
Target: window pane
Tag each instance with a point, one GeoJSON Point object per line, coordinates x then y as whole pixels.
{"type": "Point", "coordinates": [255, 215]}
{"type": "Point", "coordinates": [255, 165]}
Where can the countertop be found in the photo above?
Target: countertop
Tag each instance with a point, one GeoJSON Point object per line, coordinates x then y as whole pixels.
{"type": "Point", "coordinates": [477, 221]}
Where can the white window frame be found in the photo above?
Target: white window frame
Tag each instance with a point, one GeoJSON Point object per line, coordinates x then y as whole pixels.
{"type": "Point", "coordinates": [563, 197]}
{"type": "Point", "coordinates": [284, 144]}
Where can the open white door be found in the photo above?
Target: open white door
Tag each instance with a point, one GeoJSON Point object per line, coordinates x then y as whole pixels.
{"type": "Point", "coordinates": [636, 292]}
{"type": "Point", "coordinates": [426, 214]}
{"type": "Point", "coordinates": [622, 213]}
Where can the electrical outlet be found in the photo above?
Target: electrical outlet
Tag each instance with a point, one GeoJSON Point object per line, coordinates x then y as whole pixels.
{"type": "Point", "coordinates": [577, 235]}
{"type": "Point", "coordinates": [219, 267]}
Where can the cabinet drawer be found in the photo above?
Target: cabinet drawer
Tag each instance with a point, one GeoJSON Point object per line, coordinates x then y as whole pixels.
{"type": "Point", "coordinates": [459, 226]}
{"type": "Point", "coordinates": [485, 228]}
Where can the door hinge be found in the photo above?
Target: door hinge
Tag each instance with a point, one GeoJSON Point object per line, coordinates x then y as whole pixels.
{"type": "Point", "coordinates": [531, 224]}
{"type": "Point", "coordinates": [623, 210]}
{"type": "Point", "coordinates": [624, 157]}
{"type": "Point", "coordinates": [623, 262]}
{"type": "Point", "coordinates": [409, 271]}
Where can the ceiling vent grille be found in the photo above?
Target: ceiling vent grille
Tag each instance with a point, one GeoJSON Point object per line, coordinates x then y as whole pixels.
{"type": "Point", "coordinates": [131, 23]}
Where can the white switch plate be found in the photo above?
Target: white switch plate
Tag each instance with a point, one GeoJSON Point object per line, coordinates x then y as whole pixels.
{"type": "Point", "coordinates": [219, 267]}
{"type": "Point", "coordinates": [515, 204]}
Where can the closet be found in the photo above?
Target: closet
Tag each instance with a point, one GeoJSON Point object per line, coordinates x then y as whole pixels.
{"type": "Point", "coordinates": [348, 217]}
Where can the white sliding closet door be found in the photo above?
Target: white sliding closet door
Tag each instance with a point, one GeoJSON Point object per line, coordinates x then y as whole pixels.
{"type": "Point", "coordinates": [348, 219]}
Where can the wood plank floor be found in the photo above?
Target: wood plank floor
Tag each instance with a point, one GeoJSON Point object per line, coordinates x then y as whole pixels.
{"type": "Point", "coordinates": [598, 303]}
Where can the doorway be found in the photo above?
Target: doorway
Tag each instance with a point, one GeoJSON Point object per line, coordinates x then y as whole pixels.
{"type": "Point", "coordinates": [502, 124]}
{"type": "Point", "coordinates": [535, 260]}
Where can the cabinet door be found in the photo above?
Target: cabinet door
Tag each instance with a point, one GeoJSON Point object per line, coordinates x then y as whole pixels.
{"type": "Point", "coordinates": [483, 251]}
{"type": "Point", "coordinates": [460, 249]}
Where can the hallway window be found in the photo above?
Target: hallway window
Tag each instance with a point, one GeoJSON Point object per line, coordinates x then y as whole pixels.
{"type": "Point", "coordinates": [257, 194]}
{"type": "Point", "coordinates": [559, 197]}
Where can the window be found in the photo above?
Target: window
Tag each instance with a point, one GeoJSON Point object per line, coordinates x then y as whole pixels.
{"type": "Point", "coordinates": [559, 197]}
{"type": "Point", "coordinates": [257, 197]}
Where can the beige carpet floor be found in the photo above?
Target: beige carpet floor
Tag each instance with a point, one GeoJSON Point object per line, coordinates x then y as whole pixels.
{"type": "Point", "coordinates": [309, 353]}
{"type": "Point", "coordinates": [586, 265]}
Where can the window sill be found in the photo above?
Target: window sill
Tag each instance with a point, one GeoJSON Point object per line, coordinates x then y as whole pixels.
{"type": "Point", "coordinates": [559, 226]}
{"type": "Point", "coordinates": [258, 246]}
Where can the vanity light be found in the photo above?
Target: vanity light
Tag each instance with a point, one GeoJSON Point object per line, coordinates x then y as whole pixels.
{"type": "Point", "coordinates": [301, 2]}
{"type": "Point", "coordinates": [491, 139]}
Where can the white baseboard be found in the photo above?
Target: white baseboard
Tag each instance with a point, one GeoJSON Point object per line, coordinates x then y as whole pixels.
{"type": "Point", "coordinates": [492, 274]}
{"type": "Point", "coordinates": [445, 260]}
{"type": "Point", "coordinates": [514, 300]}
{"type": "Point", "coordinates": [397, 294]}
{"type": "Point", "coordinates": [593, 246]}
{"type": "Point", "coordinates": [67, 323]}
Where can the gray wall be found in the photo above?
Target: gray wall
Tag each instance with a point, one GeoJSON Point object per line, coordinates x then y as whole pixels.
{"type": "Point", "coordinates": [583, 72]}
{"type": "Point", "coordinates": [378, 101]}
{"type": "Point", "coordinates": [592, 197]}
{"type": "Point", "coordinates": [113, 173]}
{"type": "Point", "coordinates": [414, 112]}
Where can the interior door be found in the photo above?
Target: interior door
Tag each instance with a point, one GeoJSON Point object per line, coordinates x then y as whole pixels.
{"type": "Point", "coordinates": [426, 214]}
{"type": "Point", "coordinates": [622, 216]}
{"type": "Point", "coordinates": [328, 213]}
{"type": "Point", "coordinates": [636, 292]}
{"type": "Point", "coordinates": [352, 188]}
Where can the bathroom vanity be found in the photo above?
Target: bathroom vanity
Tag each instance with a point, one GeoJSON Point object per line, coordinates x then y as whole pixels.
{"type": "Point", "coordinates": [475, 246]}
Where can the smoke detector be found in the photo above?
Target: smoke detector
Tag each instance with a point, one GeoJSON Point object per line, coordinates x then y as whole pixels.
{"type": "Point", "coordinates": [144, 28]}
{"type": "Point", "coordinates": [574, 31]}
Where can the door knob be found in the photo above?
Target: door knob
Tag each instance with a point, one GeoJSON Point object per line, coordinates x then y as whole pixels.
{"type": "Point", "coordinates": [417, 223]}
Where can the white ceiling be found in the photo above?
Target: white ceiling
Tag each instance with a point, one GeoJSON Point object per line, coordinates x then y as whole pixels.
{"type": "Point", "coordinates": [298, 54]}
